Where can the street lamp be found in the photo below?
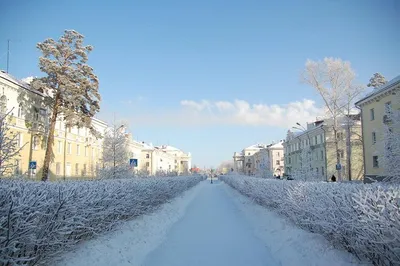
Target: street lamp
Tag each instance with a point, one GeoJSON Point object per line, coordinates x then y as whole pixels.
{"type": "Point", "coordinates": [297, 123]}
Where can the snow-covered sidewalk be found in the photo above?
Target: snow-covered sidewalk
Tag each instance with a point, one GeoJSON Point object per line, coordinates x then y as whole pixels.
{"type": "Point", "coordinates": [211, 224]}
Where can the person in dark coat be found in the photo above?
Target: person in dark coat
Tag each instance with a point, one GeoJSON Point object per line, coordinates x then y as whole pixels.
{"type": "Point", "coordinates": [333, 178]}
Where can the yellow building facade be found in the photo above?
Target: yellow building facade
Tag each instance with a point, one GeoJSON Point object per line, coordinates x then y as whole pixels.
{"type": "Point", "coordinates": [76, 152]}
{"type": "Point", "coordinates": [375, 108]}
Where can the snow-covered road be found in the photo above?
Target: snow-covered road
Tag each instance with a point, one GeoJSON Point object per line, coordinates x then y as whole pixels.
{"type": "Point", "coordinates": [211, 224]}
{"type": "Point", "coordinates": [212, 232]}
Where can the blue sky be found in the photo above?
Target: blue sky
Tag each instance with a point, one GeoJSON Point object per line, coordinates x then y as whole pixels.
{"type": "Point", "coordinates": [198, 75]}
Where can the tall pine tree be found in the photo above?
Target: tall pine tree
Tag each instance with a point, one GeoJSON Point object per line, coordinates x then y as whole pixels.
{"type": "Point", "coordinates": [70, 86]}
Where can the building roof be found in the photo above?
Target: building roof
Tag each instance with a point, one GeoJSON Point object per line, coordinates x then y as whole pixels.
{"type": "Point", "coordinates": [256, 147]}
{"type": "Point", "coordinates": [276, 145]}
{"type": "Point", "coordinates": [389, 85]}
{"type": "Point", "coordinates": [18, 82]}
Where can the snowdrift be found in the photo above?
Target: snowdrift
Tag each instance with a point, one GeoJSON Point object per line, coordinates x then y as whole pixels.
{"type": "Point", "coordinates": [40, 220]}
{"type": "Point", "coordinates": [363, 219]}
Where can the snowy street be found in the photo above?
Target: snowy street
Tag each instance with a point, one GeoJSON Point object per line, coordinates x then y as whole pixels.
{"type": "Point", "coordinates": [211, 224]}
{"type": "Point", "coordinates": [213, 232]}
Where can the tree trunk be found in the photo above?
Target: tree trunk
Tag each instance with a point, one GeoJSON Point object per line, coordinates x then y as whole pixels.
{"type": "Point", "coordinates": [348, 150]}
{"type": "Point", "coordinates": [337, 153]}
{"type": "Point", "coordinates": [50, 140]}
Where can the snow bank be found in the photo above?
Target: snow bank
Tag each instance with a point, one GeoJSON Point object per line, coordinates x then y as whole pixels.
{"type": "Point", "coordinates": [41, 220]}
{"type": "Point", "coordinates": [288, 244]}
{"type": "Point", "coordinates": [363, 219]}
{"type": "Point", "coordinates": [130, 244]}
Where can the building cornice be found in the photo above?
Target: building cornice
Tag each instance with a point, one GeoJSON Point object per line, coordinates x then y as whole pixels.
{"type": "Point", "coordinates": [393, 88]}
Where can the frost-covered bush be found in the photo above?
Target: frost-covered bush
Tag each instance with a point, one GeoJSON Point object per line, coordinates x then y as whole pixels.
{"type": "Point", "coordinates": [38, 221]}
{"type": "Point", "coordinates": [391, 148]}
{"type": "Point", "coordinates": [364, 219]}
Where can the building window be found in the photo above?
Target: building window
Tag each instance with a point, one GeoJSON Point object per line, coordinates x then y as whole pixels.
{"type": "Point", "coordinates": [373, 137]}
{"type": "Point", "coordinates": [160, 160]}
{"type": "Point", "coordinates": [69, 148]}
{"type": "Point", "coordinates": [147, 155]}
{"type": "Point", "coordinates": [17, 170]}
{"type": "Point", "coordinates": [316, 140]}
{"type": "Point", "coordinates": [375, 162]}
{"type": "Point", "coordinates": [248, 153]}
{"type": "Point", "coordinates": [322, 171]}
{"type": "Point", "coordinates": [341, 153]}
{"type": "Point", "coordinates": [59, 148]}
{"type": "Point", "coordinates": [147, 164]}
{"type": "Point", "coordinates": [278, 154]}
{"type": "Point", "coordinates": [18, 140]}
{"type": "Point", "coordinates": [388, 107]}
{"type": "Point", "coordinates": [316, 170]}
{"type": "Point", "coordinates": [372, 114]}
{"type": "Point", "coordinates": [78, 149]}
{"type": "Point", "coordinates": [290, 160]}
{"type": "Point", "coordinates": [58, 168]}
{"type": "Point", "coordinates": [76, 169]}
{"type": "Point", "coordinates": [3, 104]}
{"type": "Point", "coordinates": [339, 136]}
{"type": "Point", "coordinates": [35, 143]}
{"type": "Point", "coordinates": [322, 155]}
{"type": "Point", "coordinates": [84, 170]}
{"type": "Point", "coordinates": [20, 111]}
{"type": "Point", "coordinates": [278, 162]}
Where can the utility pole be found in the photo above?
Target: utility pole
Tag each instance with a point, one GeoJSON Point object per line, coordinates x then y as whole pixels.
{"type": "Point", "coordinates": [8, 54]}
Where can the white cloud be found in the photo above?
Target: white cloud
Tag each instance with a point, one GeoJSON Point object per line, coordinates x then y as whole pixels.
{"type": "Point", "coordinates": [237, 112]}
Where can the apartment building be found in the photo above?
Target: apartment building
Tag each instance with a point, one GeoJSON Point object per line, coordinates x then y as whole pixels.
{"type": "Point", "coordinates": [319, 137]}
{"type": "Point", "coordinates": [256, 158]}
{"type": "Point", "coordinates": [159, 160]}
{"type": "Point", "coordinates": [76, 151]}
{"type": "Point", "coordinates": [376, 108]}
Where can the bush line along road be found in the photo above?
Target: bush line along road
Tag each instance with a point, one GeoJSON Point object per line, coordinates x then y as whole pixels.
{"type": "Point", "coordinates": [42, 221]}
{"type": "Point", "coordinates": [39, 221]}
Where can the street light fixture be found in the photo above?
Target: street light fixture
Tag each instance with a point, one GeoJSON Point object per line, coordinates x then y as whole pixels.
{"type": "Point", "coordinates": [300, 126]}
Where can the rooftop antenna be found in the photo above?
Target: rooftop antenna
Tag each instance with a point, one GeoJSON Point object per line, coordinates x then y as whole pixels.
{"type": "Point", "coordinates": [8, 54]}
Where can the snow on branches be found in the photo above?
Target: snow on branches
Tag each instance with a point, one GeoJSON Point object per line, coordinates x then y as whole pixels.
{"type": "Point", "coordinates": [363, 219]}
{"type": "Point", "coordinates": [9, 146]}
{"type": "Point", "coordinates": [115, 155]}
{"type": "Point", "coordinates": [39, 221]}
{"type": "Point", "coordinates": [390, 161]}
{"type": "Point", "coordinates": [305, 171]}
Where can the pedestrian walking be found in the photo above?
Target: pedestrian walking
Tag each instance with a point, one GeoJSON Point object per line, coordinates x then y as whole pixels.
{"type": "Point", "coordinates": [333, 178]}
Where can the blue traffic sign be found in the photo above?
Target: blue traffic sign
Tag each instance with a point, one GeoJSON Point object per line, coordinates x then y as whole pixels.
{"type": "Point", "coordinates": [32, 165]}
{"type": "Point", "coordinates": [133, 162]}
{"type": "Point", "coordinates": [338, 167]}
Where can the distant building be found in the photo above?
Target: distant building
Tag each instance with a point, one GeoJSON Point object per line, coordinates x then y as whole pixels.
{"type": "Point", "coordinates": [164, 160]}
{"type": "Point", "coordinates": [319, 136]}
{"type": "Point", "coordinates": [253, 159]}
{"type": "Point", "coordinates": [375, 111]}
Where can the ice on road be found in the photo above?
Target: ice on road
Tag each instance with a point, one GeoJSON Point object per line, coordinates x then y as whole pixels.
{"type": "Point", "coordinates": [212, 232]}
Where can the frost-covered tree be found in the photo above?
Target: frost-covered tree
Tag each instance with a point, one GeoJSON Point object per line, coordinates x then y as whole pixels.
{"type": "Point", "coordinates": [334, 80]}
{"type": "Point", "coordinates": [70, 86]}
{"type": "Point", "coordinates": [115, 155]}
{"type": "Point", "coordinates": [9, 145]}
{"type": "Point", "coordinates": [305, 172]}
{"type": "Point", "coordinates": [264, 167]}
{"type": "Point", "coordinates": [376, 80]}
{"type": "Point", "coordinates": [390, 161]}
